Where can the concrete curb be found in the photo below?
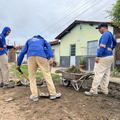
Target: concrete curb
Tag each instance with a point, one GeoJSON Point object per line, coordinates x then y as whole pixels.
{"type": "Point", "coordinates": [115, 80]}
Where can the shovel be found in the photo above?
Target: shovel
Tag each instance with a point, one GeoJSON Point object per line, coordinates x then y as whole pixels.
{"type": "Point", "coordinates": [25, 80]}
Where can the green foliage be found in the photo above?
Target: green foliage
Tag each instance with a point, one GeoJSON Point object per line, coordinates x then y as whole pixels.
{"type": "Point", "coordinates": [82, 61]}
{"type": "Point", "coordinates": [116, 72]}
{"type": "Point", "coordinates": [116, 14]}
{"type": "Point", "coordinates": [73, 69]}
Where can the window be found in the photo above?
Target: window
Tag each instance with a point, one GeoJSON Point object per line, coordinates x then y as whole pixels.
{"type": "Point", "coordinates": [92, 47]}
{"type": "Point", "coordinates": [72, 50]}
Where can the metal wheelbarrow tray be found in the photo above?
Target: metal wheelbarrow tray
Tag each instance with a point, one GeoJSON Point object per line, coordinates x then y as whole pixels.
{"type": "Point", "coordinates": [77, 80]}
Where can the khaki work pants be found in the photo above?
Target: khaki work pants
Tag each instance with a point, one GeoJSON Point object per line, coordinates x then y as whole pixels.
{"type": "Point", "coordinates": [102, 74]}
{"type": "Point", "coordinates": [33, 63]}
{"type": "Point", "coordinates": [4, 72]}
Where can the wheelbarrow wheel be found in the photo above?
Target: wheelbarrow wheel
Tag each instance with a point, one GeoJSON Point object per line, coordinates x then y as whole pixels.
{"type": "Point", "coordinates": [66, 82]}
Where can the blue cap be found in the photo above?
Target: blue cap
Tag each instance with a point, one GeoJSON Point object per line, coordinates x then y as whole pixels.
{"type": "Point", "coordinates": [102, 25]}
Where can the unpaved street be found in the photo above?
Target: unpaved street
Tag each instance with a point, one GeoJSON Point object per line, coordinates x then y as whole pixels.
{"type": "Point", "coordinates": [72, 106]}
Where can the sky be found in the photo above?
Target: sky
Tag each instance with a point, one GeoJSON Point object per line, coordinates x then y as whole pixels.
{"type": "Point", "coordinates": [48, 17]}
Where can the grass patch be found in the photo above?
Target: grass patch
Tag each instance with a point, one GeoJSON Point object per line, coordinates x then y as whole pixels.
{"type": "Point", "coordinates": [116, 72]}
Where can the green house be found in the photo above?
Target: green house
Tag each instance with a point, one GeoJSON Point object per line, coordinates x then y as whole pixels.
{"type": "Point", "coordinates": [79, 40]}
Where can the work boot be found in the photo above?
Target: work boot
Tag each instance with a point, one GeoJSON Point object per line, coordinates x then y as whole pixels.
{"type": "Point", "coordinates": [53, 97]}
{"type": "Point", "coordinates": [44, 95]}
{"type": "Point", "coordinates": [43, 84]}
{"type": "Point", "coordinates": [90, 93]}
{"type": "Point", "coordinates": [102, 92]}
{"type": "Point", "coordinates": [34, 98]}
{"type": "Point", "coordinates": [7, 86]}
{"type": "Point", "coordinates": [1, 85]}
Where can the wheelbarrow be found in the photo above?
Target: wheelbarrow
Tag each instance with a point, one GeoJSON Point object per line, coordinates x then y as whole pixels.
{"type": "Point", "coordinates": [77, 80]}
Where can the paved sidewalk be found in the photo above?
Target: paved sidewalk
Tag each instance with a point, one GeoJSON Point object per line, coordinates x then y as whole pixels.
{"type": "Point", "coordinates": [115, 80]}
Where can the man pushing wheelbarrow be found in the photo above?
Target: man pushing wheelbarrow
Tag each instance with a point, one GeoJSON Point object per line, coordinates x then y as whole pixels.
{"type": "Point", "coordinates": [40, 55]}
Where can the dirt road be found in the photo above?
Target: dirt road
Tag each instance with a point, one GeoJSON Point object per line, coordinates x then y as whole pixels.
{"type": "Point", "coordinates": [72, 106]}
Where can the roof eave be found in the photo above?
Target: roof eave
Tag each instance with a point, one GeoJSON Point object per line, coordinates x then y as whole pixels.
{"type": "Point", "coordinates": [67, 30]}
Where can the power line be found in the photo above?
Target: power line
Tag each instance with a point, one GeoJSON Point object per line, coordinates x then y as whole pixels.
{"type": "Point", "coordinates": [99, 7]}
{"type": "Point", "coordinates": [78, 15]}
{"type": "Point", "coordinates": [69, 13]}
{"type": "Point", "coordinates": [69, 10]}
{"type": "Point", "coordinates": [89, 8]}
{"type": "Point", "coordinates": [57, 27]}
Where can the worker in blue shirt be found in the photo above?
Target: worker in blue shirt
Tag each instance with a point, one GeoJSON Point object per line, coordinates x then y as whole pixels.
{"type": "Point", "coordinates": [4, 73]}
{"type": "Point", "coordinates": [40, 55]}
{"type": "Point", "coordinates": [104, 60]}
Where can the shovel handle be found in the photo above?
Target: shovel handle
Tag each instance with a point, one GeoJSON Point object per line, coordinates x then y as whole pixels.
{"type": "Point", "coordinates": [25, 76]}
{"type": "Point", "coordinates": [19, 70]}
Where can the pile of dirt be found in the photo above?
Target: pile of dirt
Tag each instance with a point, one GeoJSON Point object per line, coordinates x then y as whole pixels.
{"type": "Point", "coordinates": [73, 69]}
{"type": "Point", "coordinates": [114, 90]}
{"type": "Point", "coordinates": [72, 106]}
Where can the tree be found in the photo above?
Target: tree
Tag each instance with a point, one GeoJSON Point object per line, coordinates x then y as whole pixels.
{"type": "Point", "coordinates": [116, 14]}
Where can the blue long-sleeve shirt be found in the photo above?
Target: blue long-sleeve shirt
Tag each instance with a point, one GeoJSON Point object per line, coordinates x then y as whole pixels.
{"type": "Point", "coordinates": [106, 45]}
{"type": "Point", "coordinates": [35, 47]}
{"type": "Point", "coordinates": [3, 44]}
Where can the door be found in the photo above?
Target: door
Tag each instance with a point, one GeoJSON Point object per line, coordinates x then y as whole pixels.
{"type": "Point", "coordinates": [72, 55]}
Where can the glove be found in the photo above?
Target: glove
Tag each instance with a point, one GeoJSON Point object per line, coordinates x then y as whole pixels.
{"type": "Point", "coordinates": [14, 47]}
{"type": "Point", "coordinates": [18, 67]}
